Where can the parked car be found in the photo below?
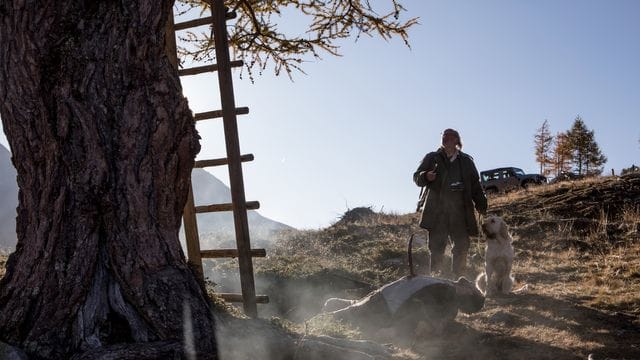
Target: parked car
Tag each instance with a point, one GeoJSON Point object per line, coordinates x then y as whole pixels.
{"type": "Point", "coordinates": [566, 176]}
{"type": "Point", "coordinates": [507, 179]}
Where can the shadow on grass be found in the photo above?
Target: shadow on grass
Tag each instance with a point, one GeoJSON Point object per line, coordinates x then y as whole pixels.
{"type": "Point", "coordinates": [605, 335]}
{"type": "Point", "coordinates": [462, 341]}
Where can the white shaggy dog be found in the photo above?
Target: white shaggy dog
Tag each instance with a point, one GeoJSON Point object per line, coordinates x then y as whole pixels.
{"type": "Point", "coordinates": [497, 278]}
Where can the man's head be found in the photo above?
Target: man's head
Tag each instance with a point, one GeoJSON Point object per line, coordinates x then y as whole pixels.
{"type": "Point", "coordinates": [451, 139]}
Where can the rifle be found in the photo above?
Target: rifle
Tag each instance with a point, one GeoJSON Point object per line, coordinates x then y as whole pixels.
{"type": "Point", "coordinates": [423, 193]}
{"type": "Point", "coordinates": [421, 198]}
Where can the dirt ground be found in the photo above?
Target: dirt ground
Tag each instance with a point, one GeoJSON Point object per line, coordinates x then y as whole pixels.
{"type": "Point", "coordinates": [577, 265]}
{"type": "Point", "coordinates": [577, 269]}
{"type": "Point", "coordinates": [535, 326]}
{"type": "Point", "coordinates": [559, 312]}
{"type": "Point", "coordinates": [577, 249]}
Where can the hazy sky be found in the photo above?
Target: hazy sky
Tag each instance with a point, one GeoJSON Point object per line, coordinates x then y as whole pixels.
{"type": "Point", "coordinates": [352, 131]}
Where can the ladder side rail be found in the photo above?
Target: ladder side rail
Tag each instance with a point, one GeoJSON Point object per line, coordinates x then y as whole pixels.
{"type": "Point", "coordinates": [190, 222]}
{"type": "Point", "coordinates": [192, 238]}
{"type": "Point", "coordinates": [225, 82]}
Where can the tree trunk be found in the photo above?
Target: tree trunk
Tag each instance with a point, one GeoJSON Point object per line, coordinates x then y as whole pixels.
{"type": "Point", "coordinates": [103, 143]}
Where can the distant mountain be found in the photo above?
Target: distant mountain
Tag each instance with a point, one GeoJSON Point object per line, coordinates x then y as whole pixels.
{"type": "Point", "coordinates": [9, 196]}
{"type": "Point", "coordinates": [216, 229]}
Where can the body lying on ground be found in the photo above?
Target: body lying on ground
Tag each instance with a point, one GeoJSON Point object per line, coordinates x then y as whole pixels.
{"type": "Point", "coordinates": [409, 304]}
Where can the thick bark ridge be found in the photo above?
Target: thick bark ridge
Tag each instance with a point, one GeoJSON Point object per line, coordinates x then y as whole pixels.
{"type": "Point", "coordinates": [103, 143]}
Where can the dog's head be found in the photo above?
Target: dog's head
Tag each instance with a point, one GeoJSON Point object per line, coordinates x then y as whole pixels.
{"type": "Point", "coordinates": [495, 228]}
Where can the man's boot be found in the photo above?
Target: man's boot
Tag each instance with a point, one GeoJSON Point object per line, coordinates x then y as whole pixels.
{"type": "Point", "coordinates": [436, 263]}
{"type": "Point", "coordinates": [459, 265]}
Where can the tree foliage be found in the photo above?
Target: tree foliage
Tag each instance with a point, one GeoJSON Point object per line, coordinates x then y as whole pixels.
{"type": "Point", "coordinates": [595, 159]}
{"type": "Point", "coordinates": [561, 154]}
{"type": "Point", "coordinates": [543, 141]}
{"type": "Point", "coordinates": [258, 40]}
{"type": "Point", "coordinates": [587, 158]}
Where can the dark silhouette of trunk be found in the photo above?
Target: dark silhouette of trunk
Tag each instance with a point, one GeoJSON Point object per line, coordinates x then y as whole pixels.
{"type": "Point", "coordinates": [103, 143]}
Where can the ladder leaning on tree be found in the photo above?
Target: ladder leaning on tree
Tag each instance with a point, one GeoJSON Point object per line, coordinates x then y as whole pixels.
{"type": "Point", "coordinates": [234, 160]}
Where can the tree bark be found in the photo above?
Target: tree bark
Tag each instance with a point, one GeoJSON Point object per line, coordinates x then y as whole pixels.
{"type": "Point", "coordinates": [103, 142]}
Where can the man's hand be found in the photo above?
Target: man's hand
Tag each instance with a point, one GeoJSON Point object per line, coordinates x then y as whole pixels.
{"type": "Point", "coordinates": [431, 175]}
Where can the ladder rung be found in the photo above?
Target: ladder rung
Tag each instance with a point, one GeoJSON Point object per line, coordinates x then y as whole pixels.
{"type": "Point", "coordinates": [206, 68]}
{"type": "Point", "coordinates": [218, 114]}
{"type": "Point", "coordinates": [193, 23]}
{"type": "Point", "coordinates": [230, 253]}
{"type": "Point", "coordinates": [201, 21]}
{"type": "Point", "coordinates": [235, 297]}
{"type": "Point", "coordinates": [219, 162]}
{"type": "Point", "coordinates": [251, 205]}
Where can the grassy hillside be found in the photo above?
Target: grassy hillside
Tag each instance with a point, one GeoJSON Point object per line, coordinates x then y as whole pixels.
{"type": "Point", "coordinates": [3, 261]}
{"type": "Point", "coordinates": [577, 247]}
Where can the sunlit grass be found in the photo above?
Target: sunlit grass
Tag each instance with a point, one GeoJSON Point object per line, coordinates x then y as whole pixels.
{"type": "Point", "coordinates": [577, 269]}
{"type": "Point", "coordinates": [3, 262]}
{"type": "Point", "coordinates": [322, 324]}
{"type": "Point", "coordinates": [370, 248]}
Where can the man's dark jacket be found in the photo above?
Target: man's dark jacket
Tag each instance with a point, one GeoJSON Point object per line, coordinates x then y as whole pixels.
{"type": "Point", "coordinates": [473, 194]}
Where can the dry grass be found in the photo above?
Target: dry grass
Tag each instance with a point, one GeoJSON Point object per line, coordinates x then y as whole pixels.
{"type": "Point", "coordinates": [631, 217]}
{"type": "Point", "coordinates": [523, 194]}
{"type": "Point", "coordinates": [3, 262]}
{"type": "Point", "coordinates": [576, 246]}
{"type": "Point", "coordinates": [577, 303]}
{"type": "Point", "coordinates": [371, 249]}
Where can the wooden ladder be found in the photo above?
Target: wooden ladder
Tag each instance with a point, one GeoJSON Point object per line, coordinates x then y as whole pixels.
{"type": "Point", "coordinates": [234, 160]}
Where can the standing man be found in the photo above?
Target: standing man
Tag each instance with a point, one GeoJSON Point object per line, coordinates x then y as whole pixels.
{"type": "Point", "coordinates": [452, 192]}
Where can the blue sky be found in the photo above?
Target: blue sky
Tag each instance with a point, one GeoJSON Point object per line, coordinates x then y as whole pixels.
{"type": "Point", "coordinates": [352, 131]}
